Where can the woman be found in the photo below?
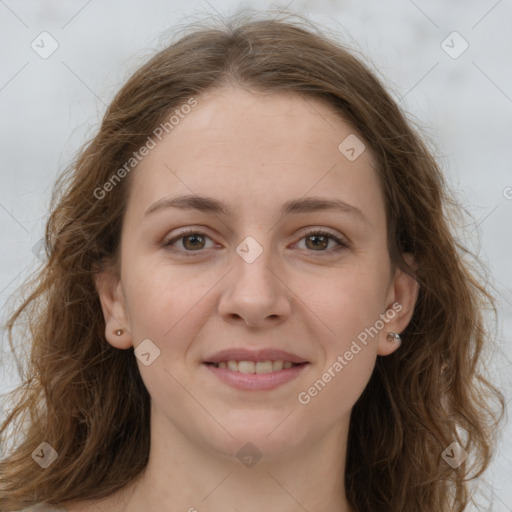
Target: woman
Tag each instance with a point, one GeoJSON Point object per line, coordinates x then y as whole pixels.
{"type": "Point", "coordinates": [259, 222]}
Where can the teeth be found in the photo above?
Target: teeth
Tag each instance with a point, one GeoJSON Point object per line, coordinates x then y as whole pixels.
{"type": "Point", "coordinates": [245, 366]}
{"type": "Point", "coordinates": [262, 367]}
{"type": "Point", "coordinates": [254, 367]}
{"type": "Point", "coordinates": [277, 365]}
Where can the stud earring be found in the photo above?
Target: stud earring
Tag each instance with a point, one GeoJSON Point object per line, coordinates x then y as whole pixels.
{"type": "Point", "coordinates": [119, 332]}
{"type": "Point", "coordinates": [393, 336]}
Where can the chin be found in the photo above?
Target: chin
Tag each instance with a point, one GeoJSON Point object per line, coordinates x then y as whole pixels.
{"type": "Point", "coordinates": [255, 434]}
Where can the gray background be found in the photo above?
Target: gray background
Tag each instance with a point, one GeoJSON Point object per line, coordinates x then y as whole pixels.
{"type": "Point", "coordinates": [464, 104]}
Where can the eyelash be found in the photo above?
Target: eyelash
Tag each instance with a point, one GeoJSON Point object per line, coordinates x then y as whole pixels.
{"type": "Point", "coordinates": [342, 243]}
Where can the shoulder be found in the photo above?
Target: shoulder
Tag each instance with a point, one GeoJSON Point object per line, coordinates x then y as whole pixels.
{"type": "Point", "coordinates": [111, 503]}
{"type": "Point", "coordinates": [44, 508]}
{"type": "Point", "coordinates": [83, 506]}
{"type": "Point", "coordinates": [69, 507]}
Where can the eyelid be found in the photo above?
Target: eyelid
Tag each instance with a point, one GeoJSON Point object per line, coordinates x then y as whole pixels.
{"type": "Point", "coordinates": [343, 242]}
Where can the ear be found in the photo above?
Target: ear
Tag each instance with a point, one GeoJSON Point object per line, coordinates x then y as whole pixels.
{"type": "Point", "coordinates": [110, 292]}
{"type": "Point", "coordinates": [402, 296]}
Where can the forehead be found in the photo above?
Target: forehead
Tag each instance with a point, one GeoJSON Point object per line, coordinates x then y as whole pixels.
{"type": "Point", "coordinates": [253, 149]}
{"type": "Point", "coordinates": [256, 119]}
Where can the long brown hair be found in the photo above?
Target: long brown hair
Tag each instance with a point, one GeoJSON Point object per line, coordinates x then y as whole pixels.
{"type": "Point", "coordinates": [87, 400]}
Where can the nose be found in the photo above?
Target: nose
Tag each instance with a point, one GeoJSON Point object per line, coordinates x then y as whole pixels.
{"type": "Point", "coordinates": [254, 291]}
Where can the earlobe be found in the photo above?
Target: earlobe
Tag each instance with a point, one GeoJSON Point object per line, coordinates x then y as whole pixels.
{"type": "Point", "coordinates": [111, 297]}
{"type": "Point", "coordinates": [402, 298]}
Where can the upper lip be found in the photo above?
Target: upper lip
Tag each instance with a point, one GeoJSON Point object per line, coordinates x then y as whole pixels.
{"type": "Point", "coordinates": [267, 354]}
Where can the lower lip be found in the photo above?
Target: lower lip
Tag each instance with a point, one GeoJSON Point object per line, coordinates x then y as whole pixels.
{"type": "Point", "coordinates": [257, 381]}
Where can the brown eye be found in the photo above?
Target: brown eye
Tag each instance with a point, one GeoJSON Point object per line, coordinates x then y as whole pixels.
{"type": "Point", "coordinates": [317, 242]}
{"type": "Point", "coordinates": [193, 242]}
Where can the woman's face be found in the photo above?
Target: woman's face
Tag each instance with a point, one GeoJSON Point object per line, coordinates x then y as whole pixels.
{"type": "Point", "coordinates": [256, 280]}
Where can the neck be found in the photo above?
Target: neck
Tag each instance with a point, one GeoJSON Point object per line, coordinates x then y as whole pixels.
{"type": "Point", "coordinates": [181, 475]}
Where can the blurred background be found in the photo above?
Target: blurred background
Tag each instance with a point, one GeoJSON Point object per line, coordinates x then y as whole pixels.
{"type": "Point", "coordinates": [444, 62]}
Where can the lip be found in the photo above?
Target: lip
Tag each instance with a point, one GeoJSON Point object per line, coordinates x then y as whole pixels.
{"type": "Point", "coordinates": [256, 381]}
{"type": "Point", "coordinates": [266, 354]}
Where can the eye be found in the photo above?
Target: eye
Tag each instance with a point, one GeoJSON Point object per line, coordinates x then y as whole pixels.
{"type": "Point", "coordinates": [191, 241]}
{"type": "Point", "coordinates": [318, 240]}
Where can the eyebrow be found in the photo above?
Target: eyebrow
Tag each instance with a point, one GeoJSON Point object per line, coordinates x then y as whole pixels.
{"type": "Point", "coordinates": [214, 206]}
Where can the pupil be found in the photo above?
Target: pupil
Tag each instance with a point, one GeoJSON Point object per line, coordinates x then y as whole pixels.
{"type": "Point", "coordinates": [323, 242]}
{"type": "Point", "coordinates": [196, 237]}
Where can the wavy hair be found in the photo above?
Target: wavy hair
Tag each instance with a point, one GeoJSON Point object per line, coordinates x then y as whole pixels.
{"type": "Point", "coordinates": [87, 399]}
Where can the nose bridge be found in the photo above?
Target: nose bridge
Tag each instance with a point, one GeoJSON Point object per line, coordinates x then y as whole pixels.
{"type": "Point", "coordinates": [253, 262]}
{"type": "Point", "coordinates": [254, 291]}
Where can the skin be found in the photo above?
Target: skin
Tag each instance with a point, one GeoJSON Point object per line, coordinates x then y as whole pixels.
{"type": "Point", "coordinates": [253, 152]}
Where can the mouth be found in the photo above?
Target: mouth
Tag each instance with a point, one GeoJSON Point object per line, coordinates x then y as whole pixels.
{"type": "Point", "coordinates": [256, 367]}
{"type": "Point", "coordinates": [255, 371]}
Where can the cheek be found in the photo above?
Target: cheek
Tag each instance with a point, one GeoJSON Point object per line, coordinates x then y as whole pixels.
{"type": "Point", "coordinates": [333, 391]}
{"type": "Point", "coordinates": [352, 307]}
{"type": "Point", "coordinates": [349, 305]}
{"type": "Point", "coordinates": [167, 304]}
{"type": "Point", "coordinates": [347, 301]}
{"type": "Point", "coordinates": [152, 305]}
